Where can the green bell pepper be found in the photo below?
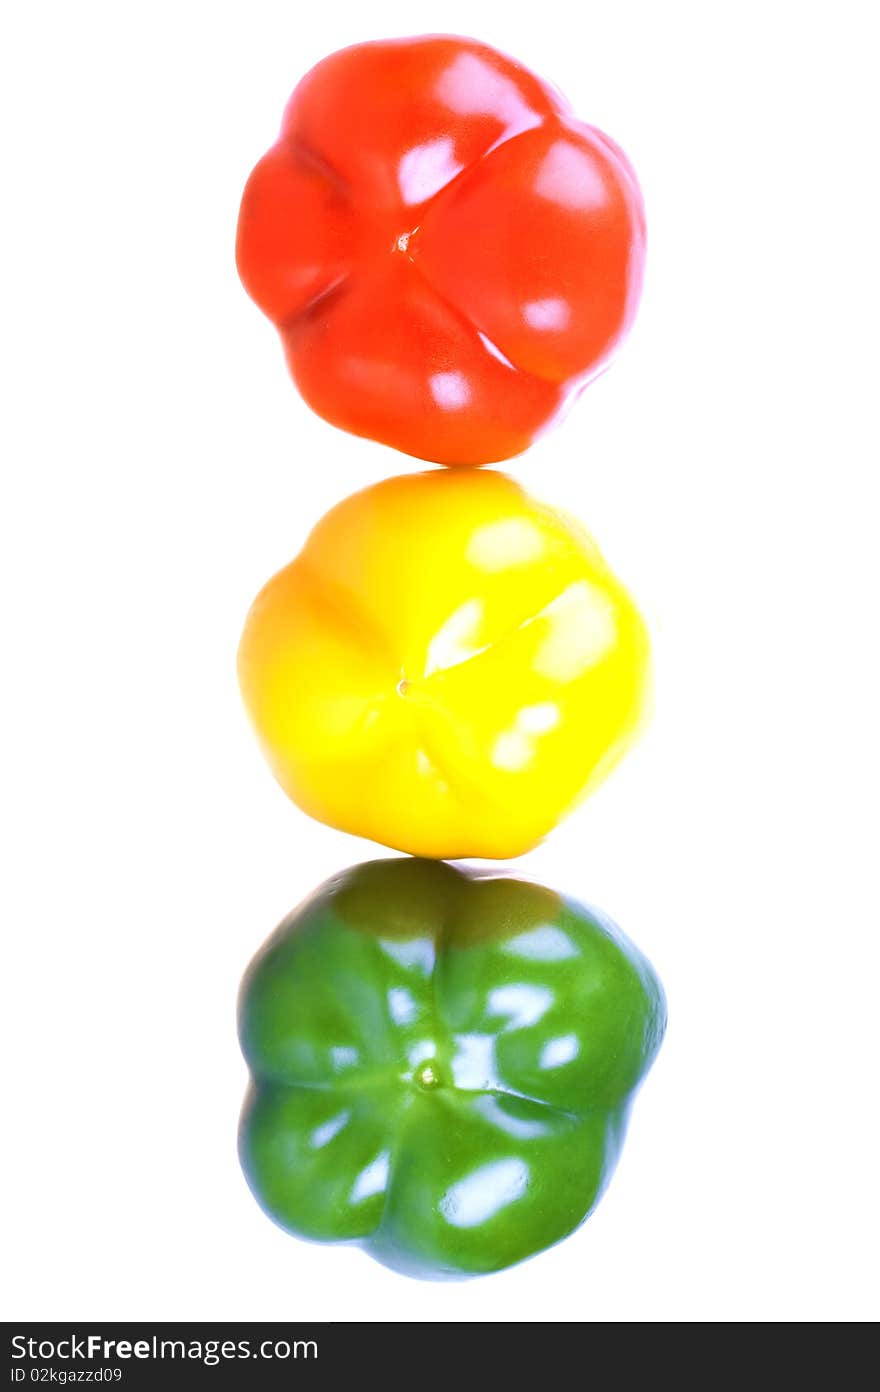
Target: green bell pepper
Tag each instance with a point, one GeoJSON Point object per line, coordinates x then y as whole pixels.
{"type": "Point", "coordinates": [443, 1063]}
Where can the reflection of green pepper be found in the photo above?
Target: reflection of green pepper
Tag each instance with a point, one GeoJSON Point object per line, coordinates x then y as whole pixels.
{"type": "Point", "coordinates": [443, 1064]}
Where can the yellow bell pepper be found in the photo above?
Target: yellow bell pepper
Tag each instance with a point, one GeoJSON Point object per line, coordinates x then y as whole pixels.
{"type": "Point", "coordinates": [446, 668]}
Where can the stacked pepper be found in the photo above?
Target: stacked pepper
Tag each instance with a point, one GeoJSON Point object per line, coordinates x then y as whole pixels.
{"type": "Point", "coordinates": [442, 1059]}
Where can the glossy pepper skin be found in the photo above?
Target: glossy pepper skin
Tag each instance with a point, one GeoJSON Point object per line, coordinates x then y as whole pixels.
{"type": "Point", "coordinates": [442, 1065]}
{"type": "Point", "coordinates": [446, 668]}
{"type": "Point", "coordinates": [448, 253]}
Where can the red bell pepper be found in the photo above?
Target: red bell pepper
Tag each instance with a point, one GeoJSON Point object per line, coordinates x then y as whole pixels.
{"type": "Point", "coordinates": [449, 255]}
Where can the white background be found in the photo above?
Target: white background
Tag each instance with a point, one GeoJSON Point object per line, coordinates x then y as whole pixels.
{"type": "Point", "coordinates": [159, 467]}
